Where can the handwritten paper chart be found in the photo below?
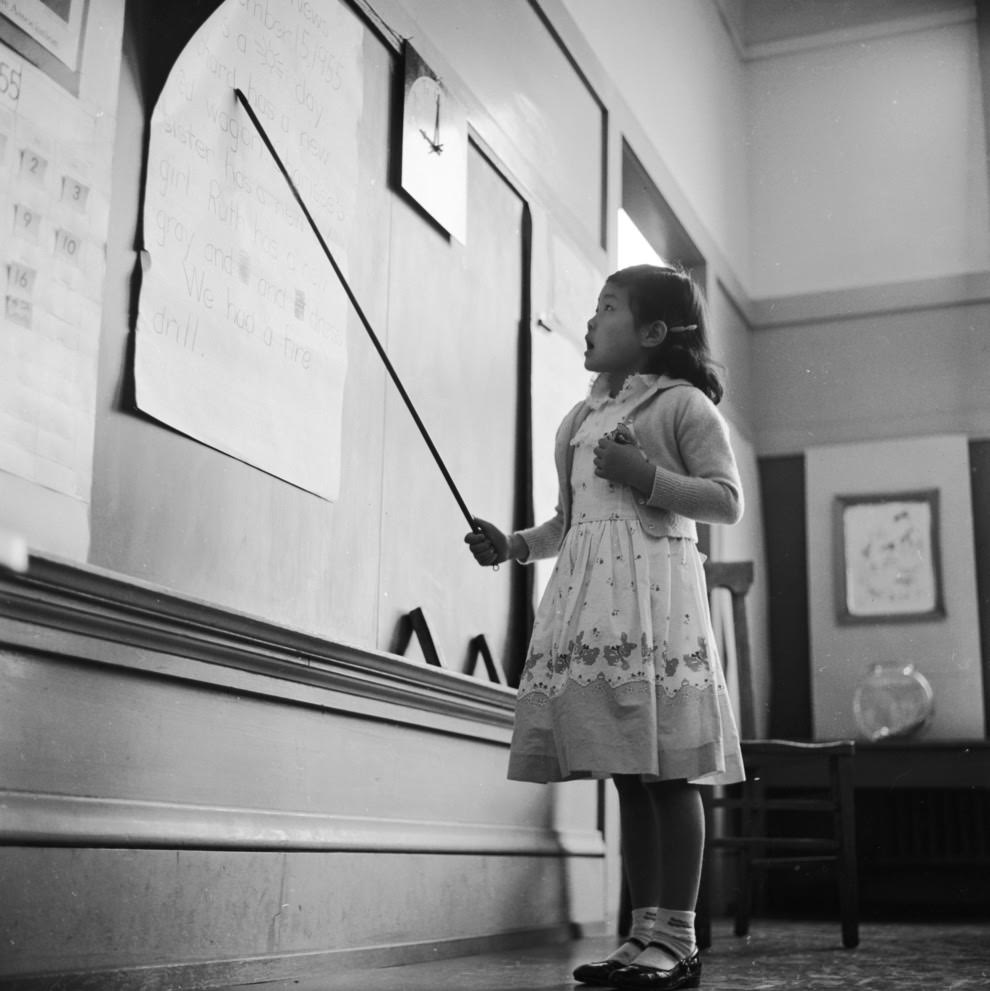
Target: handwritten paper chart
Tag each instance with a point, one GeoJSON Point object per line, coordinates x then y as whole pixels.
{"type": "Point", "coordinates": [241, 325]}
{"type": "Point", "coordinates": [54, 208]}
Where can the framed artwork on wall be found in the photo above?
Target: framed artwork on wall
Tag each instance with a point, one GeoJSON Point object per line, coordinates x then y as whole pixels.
{"type": "Point", "coordinates": [48, 33]}
{"type": "Point", "coordinates": [886, 559]}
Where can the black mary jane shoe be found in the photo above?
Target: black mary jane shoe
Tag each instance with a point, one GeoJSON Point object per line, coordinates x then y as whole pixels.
{"type": "Point", "coordinates": [684, 974]}
{"type": "Point", "coordinates": [600, 972]}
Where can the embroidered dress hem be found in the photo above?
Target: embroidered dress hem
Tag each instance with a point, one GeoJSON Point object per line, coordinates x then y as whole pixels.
{"type": "Point", "coordinates": [540, 769]}
{"type": "Point", "coordinates": [614, 724]}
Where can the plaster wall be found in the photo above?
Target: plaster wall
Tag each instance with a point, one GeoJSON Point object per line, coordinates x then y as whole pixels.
{"type": "Point", "coordinates": [887, 375]}
{"type": "Point", "coordinates": [867, 163]}
{"type": "Point", "coordinates": [676, 67]}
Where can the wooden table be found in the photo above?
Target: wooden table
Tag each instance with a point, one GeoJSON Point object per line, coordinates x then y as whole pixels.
{"type": "Point", "coordinates": [923, 764]}
{"type": "Point", "coordinates": [923, 830]}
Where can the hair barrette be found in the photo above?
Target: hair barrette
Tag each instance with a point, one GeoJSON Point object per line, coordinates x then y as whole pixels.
{"type": "Point", "coordinates": [683, 328]}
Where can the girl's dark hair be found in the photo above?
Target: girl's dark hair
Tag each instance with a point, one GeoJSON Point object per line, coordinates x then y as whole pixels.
{"type": "Point", "coordinates": [671, 295]}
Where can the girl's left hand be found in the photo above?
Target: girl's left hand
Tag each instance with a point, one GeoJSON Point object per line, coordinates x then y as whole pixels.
{"type": "Point", "coordinates": [619, 459]}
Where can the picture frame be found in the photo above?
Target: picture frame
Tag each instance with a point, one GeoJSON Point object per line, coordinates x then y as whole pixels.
{"type": "Point", "coordinates": [887, 558]}
{"type": "Point", "coordinates": [49, 34]}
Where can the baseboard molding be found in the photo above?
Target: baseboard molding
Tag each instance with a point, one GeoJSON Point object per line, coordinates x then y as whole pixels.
{"type": "Point", "coordinates": [37, 819]}
{"type": "Point", "coordinates": [286, 967]}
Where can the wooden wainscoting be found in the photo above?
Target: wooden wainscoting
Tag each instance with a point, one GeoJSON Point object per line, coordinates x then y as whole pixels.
{"type": "Point", "coordinates": [193, 796]}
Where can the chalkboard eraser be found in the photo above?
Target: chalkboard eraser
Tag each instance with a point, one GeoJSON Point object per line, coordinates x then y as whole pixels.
{"type": "Point", "coordinates": [13, 551]}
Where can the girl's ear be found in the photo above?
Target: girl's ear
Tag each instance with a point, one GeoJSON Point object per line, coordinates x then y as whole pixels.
{"type": "Point", "coordinates": [653, 334]}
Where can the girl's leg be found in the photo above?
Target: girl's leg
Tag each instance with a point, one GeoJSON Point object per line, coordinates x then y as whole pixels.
{"type": "Point", "coordinates": [641, 845]}
{"type": "Point", "coordinates": [641, 860]}
{"type": "Point", "coordinates": [663, 836]}
{"type": "Point", "coordinates": [680, 818]}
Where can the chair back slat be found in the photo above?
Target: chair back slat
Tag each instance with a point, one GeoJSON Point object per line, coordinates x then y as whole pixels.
{"type": "Point", "coordinates": [737, 577]}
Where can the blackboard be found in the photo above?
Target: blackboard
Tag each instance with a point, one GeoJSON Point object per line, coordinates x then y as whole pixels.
{"type": "Point", "coordinates": [174, 512]}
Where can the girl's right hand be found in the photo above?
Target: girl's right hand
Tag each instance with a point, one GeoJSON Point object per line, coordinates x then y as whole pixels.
{"type": "Point", "coordinates": [488, 544]}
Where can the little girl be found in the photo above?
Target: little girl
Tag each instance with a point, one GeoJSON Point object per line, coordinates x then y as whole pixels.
{"type": "Point", "coordinates": [623, 678]}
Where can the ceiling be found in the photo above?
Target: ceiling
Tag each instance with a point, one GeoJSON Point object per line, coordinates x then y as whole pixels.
{"type": "Point", "coordinates": [760, 26]}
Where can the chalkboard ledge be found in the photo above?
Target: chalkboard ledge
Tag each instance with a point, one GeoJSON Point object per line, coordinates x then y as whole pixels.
{"type": "Point", "coordinates": [65, 608]}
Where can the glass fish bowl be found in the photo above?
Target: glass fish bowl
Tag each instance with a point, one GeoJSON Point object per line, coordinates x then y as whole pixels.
{"type": "Point", "coordinates": [893, 700]}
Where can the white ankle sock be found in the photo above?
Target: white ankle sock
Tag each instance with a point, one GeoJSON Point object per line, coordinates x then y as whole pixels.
{"type": "Point", "coordinates": [643, 921]}
{"type": "Point", "coordinates": [674, 929]}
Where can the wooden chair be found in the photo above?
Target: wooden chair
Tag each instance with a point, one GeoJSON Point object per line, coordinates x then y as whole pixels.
{"type": "Point", "coordinates": [757, 813]}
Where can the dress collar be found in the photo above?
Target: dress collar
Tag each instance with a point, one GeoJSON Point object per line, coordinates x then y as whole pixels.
{"type": "Point", "coordinates": [634, 386]}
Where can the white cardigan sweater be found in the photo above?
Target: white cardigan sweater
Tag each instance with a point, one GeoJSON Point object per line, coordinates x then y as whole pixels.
{"type": "Point", "coordinates": [681, 432]}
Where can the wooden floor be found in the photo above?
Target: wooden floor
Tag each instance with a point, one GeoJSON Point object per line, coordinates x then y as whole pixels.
{"type": "Point", "coordinates": [777, 956]}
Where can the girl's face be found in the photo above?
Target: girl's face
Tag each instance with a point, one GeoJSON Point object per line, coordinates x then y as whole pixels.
{"type": "Point", "coordinates": [615, 345]}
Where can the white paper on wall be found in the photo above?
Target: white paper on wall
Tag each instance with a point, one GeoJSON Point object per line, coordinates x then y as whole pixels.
{"type": "Point", "coordinates": [559, 378]}
{"type": "Point", "coordinates": [55, 168]}
{"type": "Point", "coordinates": [241, 327]}
{"type": "Point", "coordinates": [574, 288]}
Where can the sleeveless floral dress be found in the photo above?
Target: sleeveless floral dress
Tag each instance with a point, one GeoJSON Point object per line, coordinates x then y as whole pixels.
{"type": "Point", "coordinates": [623, 674]}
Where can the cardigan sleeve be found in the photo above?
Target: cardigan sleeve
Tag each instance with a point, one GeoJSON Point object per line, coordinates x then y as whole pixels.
{"type": "Point", "coordinates": [542, 541]}
{"type": "Point", "coordinates": [711, 491]}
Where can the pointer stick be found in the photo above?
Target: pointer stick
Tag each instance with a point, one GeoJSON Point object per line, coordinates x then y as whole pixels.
{"type": "Point", "coordinates": [364, 320]}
